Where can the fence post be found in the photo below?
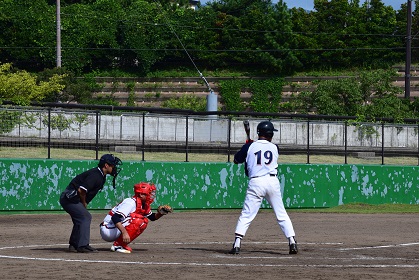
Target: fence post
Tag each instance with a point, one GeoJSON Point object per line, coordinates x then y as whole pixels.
{"type": "Point", "coordinates": [97, 135]}
{"type": "Point", "coordinates": [382, 143]}
{"type": "Point", "coordinates": [308, 140]}
{"type": "Point", "coordinates": [143, 138]}
{"type": "Point", "coordinates": [229, 139]}
{"type": "Point", "coordinates": [49, 132]}
{"type": "Point", "coordinates": [187, 134]}
{"type": "Point", "coordinates": [346, 142]}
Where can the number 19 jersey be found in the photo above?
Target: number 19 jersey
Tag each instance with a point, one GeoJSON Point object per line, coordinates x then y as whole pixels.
{"type": "Point", "coordinates": [262, 158]}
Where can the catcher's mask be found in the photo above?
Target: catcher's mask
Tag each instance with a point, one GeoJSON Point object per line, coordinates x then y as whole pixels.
{"type": "Point", "coordinates": [148, 189]}
{"type": "Point", "coordinates": [114, 161]}
{"type": "Point", "coordinates": [266, 129]}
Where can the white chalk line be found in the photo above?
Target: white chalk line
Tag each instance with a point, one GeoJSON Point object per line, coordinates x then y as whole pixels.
{"type": "Point", "coordinates": [230, 257]}
{"type": "Point", "coordinates": [379, 247]}
{"type": "Point", "coordinates": [218, 264]}
{"type": "Point", "coordinates": [172, 243]}
{"type": "Point", "coordinates": [357, 258]}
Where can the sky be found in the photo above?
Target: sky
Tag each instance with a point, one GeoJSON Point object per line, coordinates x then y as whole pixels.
{"type": "Point", "coordinates": [309, 4]}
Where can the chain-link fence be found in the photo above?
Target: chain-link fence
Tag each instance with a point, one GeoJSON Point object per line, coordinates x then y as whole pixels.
{"type": "Point", "coordinates": [140, 132]}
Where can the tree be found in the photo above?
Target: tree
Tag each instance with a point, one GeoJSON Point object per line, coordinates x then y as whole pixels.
{"type": "Point", "coordinates": [21, 87]}
{"type": "Point", "coordinates": [255, 34]}
{"type": "Point", "coordinates": [305, 43]}
{"type": "Point", "coordinates": [89, 35]}
{"type": "Point", "coordinates": [369, 94]}
{"type": "Point", "coordinates": [28, 34]}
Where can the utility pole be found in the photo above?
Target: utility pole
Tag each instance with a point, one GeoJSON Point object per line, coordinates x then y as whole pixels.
{"type": "Point", "coordinates": [408, 50]}
{"type": "Point", "coordinates": [58, 34]}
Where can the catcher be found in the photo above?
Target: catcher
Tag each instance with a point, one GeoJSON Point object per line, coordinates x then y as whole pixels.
{"type": "Point", "coordinates": [127, 220]}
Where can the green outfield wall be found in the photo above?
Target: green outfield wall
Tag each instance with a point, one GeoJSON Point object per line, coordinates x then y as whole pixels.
{"type": "Point", "coordinates": [33, 184]}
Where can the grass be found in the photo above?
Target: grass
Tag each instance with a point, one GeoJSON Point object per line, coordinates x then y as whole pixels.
{"type": "Point", "coordinates": [79, 154]}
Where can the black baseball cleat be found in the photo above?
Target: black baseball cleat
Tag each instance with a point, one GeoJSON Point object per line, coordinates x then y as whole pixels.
{"type": "Point", "coordinates": [293, 249]}
{"type": "Point", "coordinates": [235, 251]}
{"type": "Point", "coordinates": [72, 249]}
{"type": "Point", "coordinates": [86, 249]}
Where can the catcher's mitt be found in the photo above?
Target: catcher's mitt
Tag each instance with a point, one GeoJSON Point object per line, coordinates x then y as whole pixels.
{"type": "Point", "coordinates": [164, 209]}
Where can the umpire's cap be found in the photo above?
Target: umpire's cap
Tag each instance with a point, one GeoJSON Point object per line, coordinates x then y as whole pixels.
{"type": "Point", "coordinates": [266, 128]}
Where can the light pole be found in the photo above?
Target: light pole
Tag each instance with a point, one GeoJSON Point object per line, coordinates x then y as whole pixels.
{"type": "Point", "coordinates": [58, 34]}
{"type": "Point", "coordinates": [408, 50]}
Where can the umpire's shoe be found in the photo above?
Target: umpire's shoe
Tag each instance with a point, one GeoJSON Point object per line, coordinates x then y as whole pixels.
{"type": "Point", "coordinates": [235, 251]}
{"type": "Point", "coordinates": [86, 249]}
{"type": "Point", "coordinates": [293, 249]}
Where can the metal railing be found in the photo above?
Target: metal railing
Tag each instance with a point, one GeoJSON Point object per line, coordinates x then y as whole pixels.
{"type": "Point", "coordinates": [142, 130]}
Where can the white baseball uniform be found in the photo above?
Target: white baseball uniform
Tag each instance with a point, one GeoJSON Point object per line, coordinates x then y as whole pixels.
{"type": "Point", "coordinates": [108, 230]}
{"type": "Point", "coordinates": [261, 163]}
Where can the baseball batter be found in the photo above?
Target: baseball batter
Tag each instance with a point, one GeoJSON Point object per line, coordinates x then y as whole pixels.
{"type": "Point", "coordinates": [127, 220]}
{"type": "Point", "coordinates": [261, 162]}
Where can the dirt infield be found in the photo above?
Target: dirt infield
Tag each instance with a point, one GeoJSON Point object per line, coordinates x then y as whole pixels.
{"type": "Point", "coordinates": [194, 245]}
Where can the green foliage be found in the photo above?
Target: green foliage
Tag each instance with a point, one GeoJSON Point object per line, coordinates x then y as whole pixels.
{"type": "Point", "coordinates": [137, 37]}
{"type": "Point", "coordinates": [80, 120]}
{"type": "Point", "coordinates": [186, 101]}
{"type": "Point", "coordinates": [58, 122]}
{"type": "Point", "coordinates": [61, 122]}
{"type": "Point", "coordinates": [230, 92]}
{"type": "Point", "coordinates": [131, 94]}
{"type": "Point", "coordinates": [370, 95]}
{"type": "Point", "coordinates": [337, 97]}
{"type": "Point", "coordinates": [76, 89]}
{"type": "Point", "coordinates": [8, 120]}
{"type": "Point", "coordinates": [266, 95]}
{"type": "Point", "coordinates": [104, 100]}
{"type": "Point", "coordinates": [22, 88]}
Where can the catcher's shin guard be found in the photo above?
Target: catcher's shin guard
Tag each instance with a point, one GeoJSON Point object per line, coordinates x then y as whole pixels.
{"type": "Point", "coordinates": [135, 228]}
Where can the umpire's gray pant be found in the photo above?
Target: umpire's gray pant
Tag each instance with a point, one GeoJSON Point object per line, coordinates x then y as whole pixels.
{"type": "Point", "coordinates": [80, 235]}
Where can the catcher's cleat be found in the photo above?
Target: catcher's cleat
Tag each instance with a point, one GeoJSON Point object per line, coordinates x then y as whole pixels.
{"type": "Point", "coordinates": [119, 249]}
{"type": "Point", "coordinates": [235, 251]}
{"type": "Point", "coordinates": [293, 249]}
{"type": "Point", "coordinates": [124, 246]}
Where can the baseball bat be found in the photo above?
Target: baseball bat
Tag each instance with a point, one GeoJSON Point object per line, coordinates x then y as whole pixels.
{"type": "Point", "coordinates": [247, 130]}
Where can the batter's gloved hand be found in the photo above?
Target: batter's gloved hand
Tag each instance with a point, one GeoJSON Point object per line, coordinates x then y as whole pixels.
{"type": "Point", "coordinates": [165, 209]}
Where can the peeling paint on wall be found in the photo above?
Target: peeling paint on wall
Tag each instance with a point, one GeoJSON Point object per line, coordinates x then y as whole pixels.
{"type": "Point", "coordinates": [37, 184]}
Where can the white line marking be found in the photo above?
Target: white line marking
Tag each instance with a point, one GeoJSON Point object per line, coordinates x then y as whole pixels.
{"type": "Point", "coordinates": [230, 242]}
{"type": "Point", "coordinates": [379, 247]}
{"type": "Point", "coordinates": [170, 243]}
{"type": "Point", "coordinates": [217, 264]}
{"type": "Point", "coordinates": [298, 257]}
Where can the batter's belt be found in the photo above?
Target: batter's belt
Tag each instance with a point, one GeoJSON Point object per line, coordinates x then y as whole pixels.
{"type": "Point", "coordinates": [272, 175]}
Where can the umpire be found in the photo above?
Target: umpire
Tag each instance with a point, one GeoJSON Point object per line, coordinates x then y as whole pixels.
{"type": "Point", "coordinates": [81, 190]}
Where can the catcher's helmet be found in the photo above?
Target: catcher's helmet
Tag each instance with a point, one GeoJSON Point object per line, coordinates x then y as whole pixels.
{"type": "Point", "coordinates": [266, 128]}
{"type": "Point", "coordinates": [147, 189]}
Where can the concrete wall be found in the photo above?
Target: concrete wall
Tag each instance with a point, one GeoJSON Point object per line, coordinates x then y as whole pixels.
{"type": "Point", "coordinates": [118, 126]}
